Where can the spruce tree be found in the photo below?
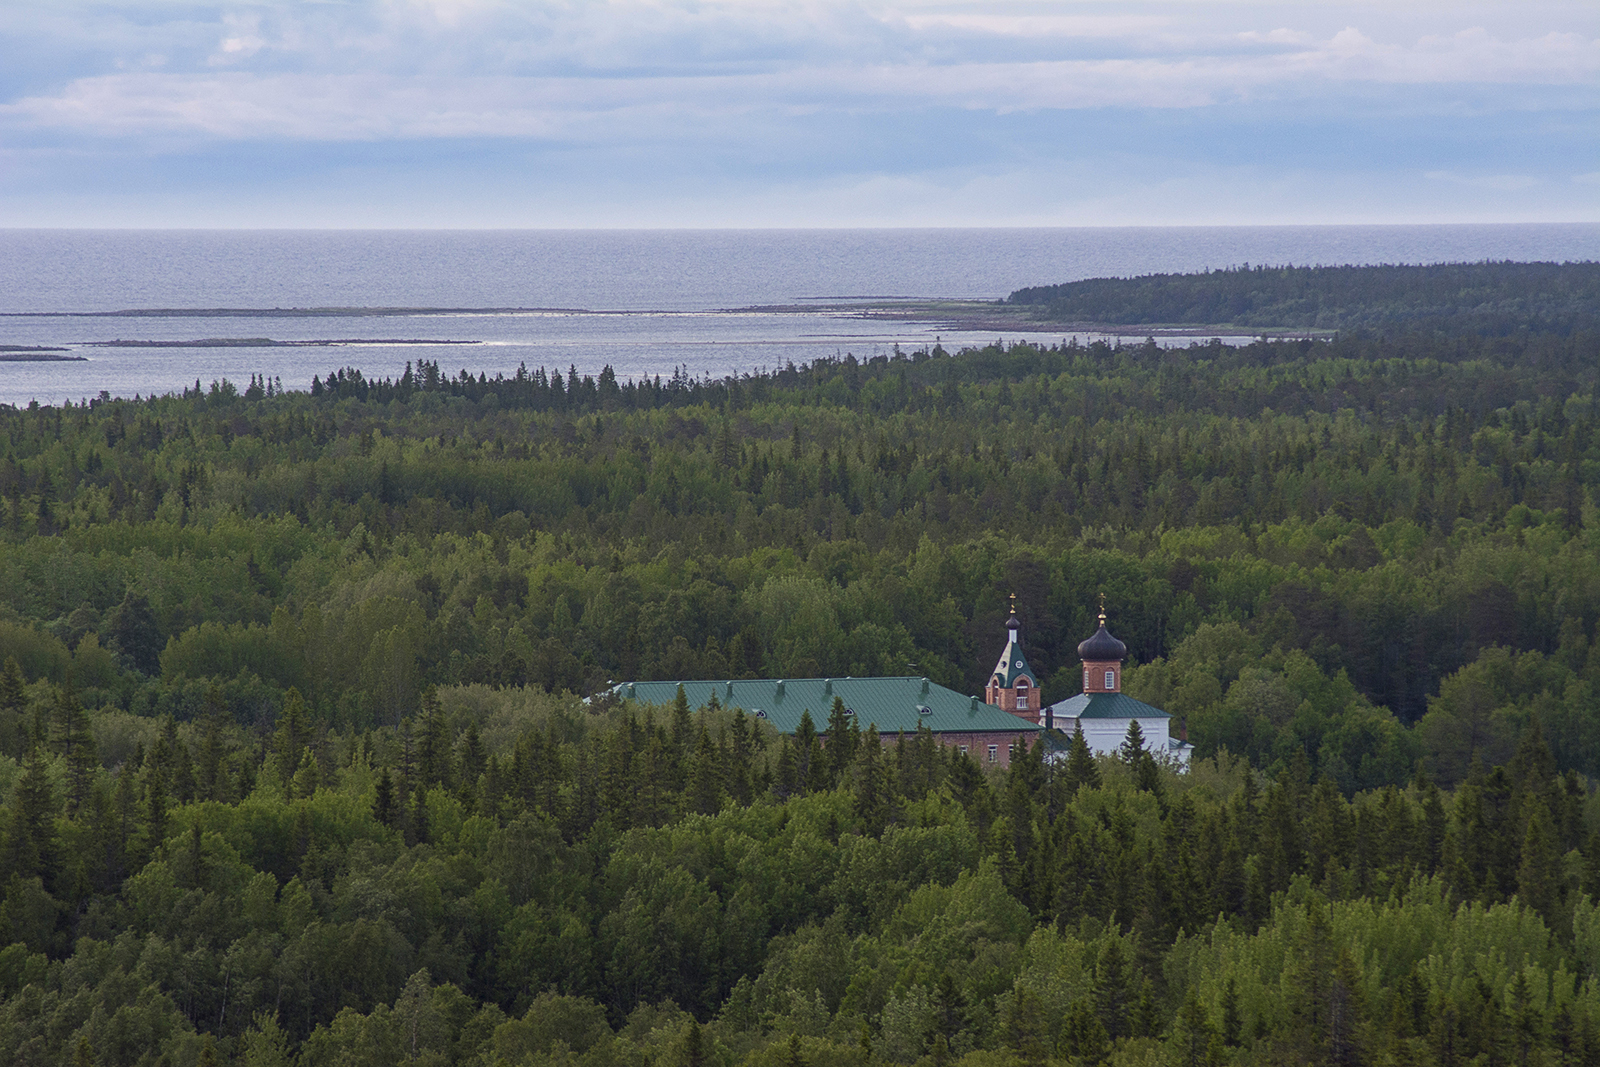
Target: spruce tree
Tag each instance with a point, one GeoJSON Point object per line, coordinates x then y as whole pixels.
{"type": "Point", "coordinates": [786, 781]}
{"type": "Point", "coordinates": [13, 705]}
{"type": "Point", "coordinates": [383, 802]}
{"type": "Point", "coordinates": [1082, 772]}
{"type": "Point", "coordinates": [872, 788]}
{"type": "Point", "coordinates": [433, 744]}
{"type": "Point", "coordinates": [840, 750]}
{"type": "Point", "coordinates": [1539, 875]}
{"type": "Point", "coordinates": [132, 628]}
{"type": "Point", "coordinates": [292, 736]}
{"type": "Point", "coordinates": [681, 722]}
{"type": "Point", "coordinates": [31, 836]}
{"type": "Point", "coordinates": [1113, 988]}
{"type": "Point", "coordinates": [705, 777]}
{"type": "Point", "coordinates": [211, 780]}
{"type": "Point", "coordinates": [183, 785]}
{"type": "Point", "coordinates": [307, 778]}
{"type": "Point", "coordinates": [1083, 1037]}
{"type": "Point", "coordinates": [1193, 1035]}
{"type": "Point", "coordinates": [155, 798]}
{"type": "Point", "coordinates": [1132, 750]}
{"type": "Point", "coordinates": [807, 754]}
{"type": "Point", "coordinates": [1232, 1028]}
{"type": "Point", "coordinates": [741, 751]}
{"type": "Point", "coordinates": [75, 743]}
{"type": "Point", "coordinates": [473, 761]}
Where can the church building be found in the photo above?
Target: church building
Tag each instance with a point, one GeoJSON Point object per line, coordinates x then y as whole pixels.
{"type": "Point", "coordinates": [988, 730]}
{"type": "Point", "coordinates": [896, 706]}
{"type": "Point", "coordinates": [1104, 712]}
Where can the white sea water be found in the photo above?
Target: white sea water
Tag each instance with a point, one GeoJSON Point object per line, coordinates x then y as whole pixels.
{"type": "Point", "coordinates": [643, 302]}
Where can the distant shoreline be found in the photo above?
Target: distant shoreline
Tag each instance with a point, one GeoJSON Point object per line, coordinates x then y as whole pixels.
{"type": "Point", "coordinates": [267, 342]}
{"type": "Point", "coordinates": [37, 354]}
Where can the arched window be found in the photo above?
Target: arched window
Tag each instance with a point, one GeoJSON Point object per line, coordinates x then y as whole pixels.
{"type": "Point", "coordinates": [1022, 692]}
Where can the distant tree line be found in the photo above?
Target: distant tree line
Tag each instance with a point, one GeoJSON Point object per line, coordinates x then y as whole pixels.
{"type": "Point", "coordinates": [1491, 299]}
{"type": "Point", "coordinates": [1307, 545]}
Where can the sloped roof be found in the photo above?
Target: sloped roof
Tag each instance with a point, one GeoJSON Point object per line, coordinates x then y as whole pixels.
{"type": "Point", "coordinates": [891, 704]}
{"type": "Point", "coordinates": [1013, 664]}
{"type": "Point", "coordinates": [1106, 706]}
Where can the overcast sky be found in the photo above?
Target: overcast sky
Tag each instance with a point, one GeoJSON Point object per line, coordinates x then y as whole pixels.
{"type": "Point", "coordinates": [477, 113]}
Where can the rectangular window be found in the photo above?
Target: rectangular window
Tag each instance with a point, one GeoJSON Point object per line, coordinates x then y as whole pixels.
{"type": "Point", "coordinates": [1022, 699]}
{"type": "Point", "coordinates": [1086, 679]}
{"type": "Point", "coordinates": [994, 753]}
{"type": "Point", "coordinates": [963, 750]}
{"type": "Point", "coordinates": [1111, 679]}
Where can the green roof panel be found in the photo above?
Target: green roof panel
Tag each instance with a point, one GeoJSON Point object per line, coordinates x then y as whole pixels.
{"type": "Point", "coordinates": [893, 705]}
{"type": "Point", "coordinates": [1106, 706]}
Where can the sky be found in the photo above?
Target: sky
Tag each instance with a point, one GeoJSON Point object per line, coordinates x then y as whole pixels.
{"type": "Point", "coordinates": [813, 113]}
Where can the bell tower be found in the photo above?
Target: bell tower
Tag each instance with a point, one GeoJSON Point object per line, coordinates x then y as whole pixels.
{"type": "Point", "coordinates": [1012, 685]}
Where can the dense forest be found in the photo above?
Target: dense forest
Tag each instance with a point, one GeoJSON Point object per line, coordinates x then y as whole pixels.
{"type": "Point", "coordinates": [299, 766]}
{"type": "Point", "coordinates": [1485, 298]}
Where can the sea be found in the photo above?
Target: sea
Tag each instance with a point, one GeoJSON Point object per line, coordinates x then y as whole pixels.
{"type": "Point", "coordinates": [709, 303]}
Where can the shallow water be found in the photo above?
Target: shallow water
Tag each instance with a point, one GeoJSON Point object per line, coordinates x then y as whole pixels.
{"type": "Point", "coordinates": [643, 302]}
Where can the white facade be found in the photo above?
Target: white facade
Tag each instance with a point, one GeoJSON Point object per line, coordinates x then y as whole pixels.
{"type": "Point", "coordinates": [1104, 734]}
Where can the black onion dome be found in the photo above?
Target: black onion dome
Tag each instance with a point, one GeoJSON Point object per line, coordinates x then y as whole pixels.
{"type": "Point", "coordinates": [1102, 648]}
{"type": "Point", "coordinates": [1013, 623]}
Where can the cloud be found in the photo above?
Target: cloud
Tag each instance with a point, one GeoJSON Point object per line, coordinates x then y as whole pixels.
{"type": "Point", "coordinates": [808, 102]}
{"type": "Point", "coordinates": [1013, 25]}
{"type": "Point", "coordinates": [1497, 182]}
{"type": "Point", "coordinates": [369, 105]}
{"type": "Point", "coordinates": [1282, 35]}
{"type": "Point", "coordinates": [242, 40]}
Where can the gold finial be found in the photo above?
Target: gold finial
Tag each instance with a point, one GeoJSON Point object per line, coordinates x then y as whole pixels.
{"type": "Point", "coordinates": [1102, 609]}
{"type": "Point", "coordinates": [1013, 603]}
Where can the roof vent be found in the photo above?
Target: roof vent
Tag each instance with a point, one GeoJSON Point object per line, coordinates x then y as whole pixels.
{"type": "Point", "coordinates": [974, 705]}
{"type": "Point", "coordinates": [730, 690]}
{"type": "Point", "coordinates": [779, 690]}
{"type": "Point", "coordinates": [827, 686]}
{"type": "Point", "coordinates": [923, 709]}
{"type": "Point", "coordinates": [628, 691]}
{"type": "Point", "coordinates": [924, 686]}
{"type": "Point", "coordinates": [849, 711]}
{"type": "Point", "coordinates": [760, 714]}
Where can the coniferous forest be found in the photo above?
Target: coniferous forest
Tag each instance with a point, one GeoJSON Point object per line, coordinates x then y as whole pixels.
{"type": "Point", "coordinates": [309, 757]}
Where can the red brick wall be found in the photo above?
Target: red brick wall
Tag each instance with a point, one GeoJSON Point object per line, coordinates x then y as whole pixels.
{"type": "Point", "coordinates": [1006, 700]}
{"type": "Point", "coordinates": [1094, 677]}
{"type": "Point", "coordinates": [978, 745]}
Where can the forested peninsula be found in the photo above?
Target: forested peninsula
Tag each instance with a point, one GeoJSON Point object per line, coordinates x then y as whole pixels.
{"type": "Point", "coordinates": [309, 757]}
{"type": "Point", "coordinates": [1450, 298]}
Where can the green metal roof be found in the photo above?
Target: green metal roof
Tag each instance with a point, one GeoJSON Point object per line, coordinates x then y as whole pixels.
{"type": "Point", "coordinates": [893, 705]}
{"type": "Point", "coordinates": [1106, 706]}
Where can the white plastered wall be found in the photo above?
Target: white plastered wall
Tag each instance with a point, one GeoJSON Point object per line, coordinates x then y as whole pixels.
{"type": "Point", "coordinates": [1104, 736]}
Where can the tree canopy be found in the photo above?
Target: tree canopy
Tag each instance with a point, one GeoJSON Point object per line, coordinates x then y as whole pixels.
{"type": "Point", "coordinates": [297, 765]}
